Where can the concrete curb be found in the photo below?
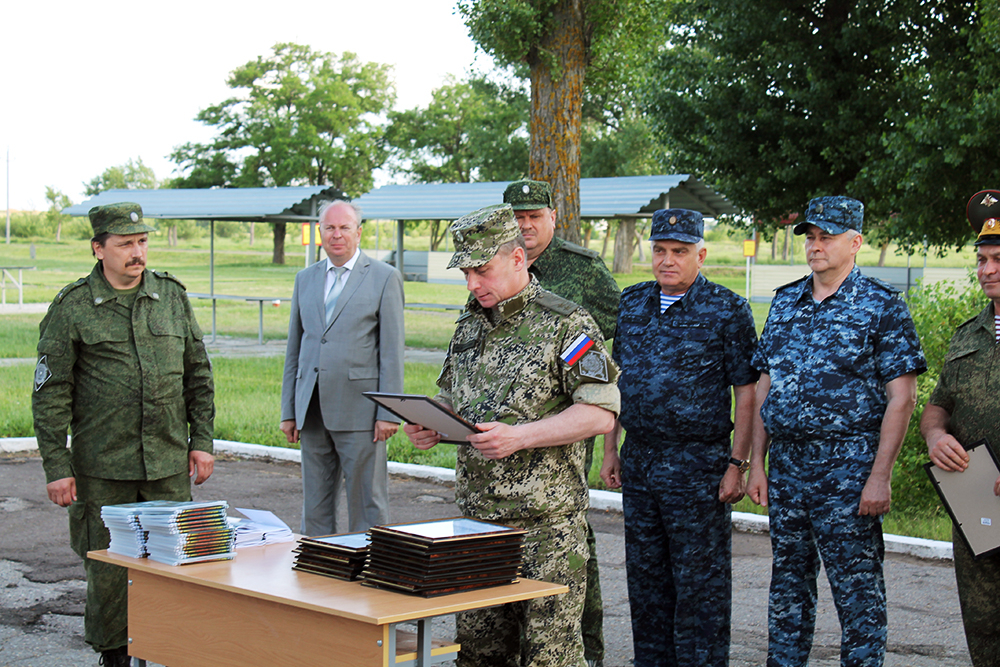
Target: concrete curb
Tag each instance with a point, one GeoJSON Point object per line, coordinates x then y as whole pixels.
{"type": "Point", "coordinates": [599, 500]}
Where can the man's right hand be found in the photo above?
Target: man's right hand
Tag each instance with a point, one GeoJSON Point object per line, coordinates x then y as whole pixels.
{"type": "Point", "coordinates": [62, 491]}
{"type": "Point", "coordinates": [946, 453]}
{"type": "Point", "coordinates": [422, 438]}
{"type": "Point", "coordinates": [757, 485]}
{"type": "Point", "coordinates": [288, 428]}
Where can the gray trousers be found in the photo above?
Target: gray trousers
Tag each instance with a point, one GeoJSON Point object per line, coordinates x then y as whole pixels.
{"type": "Point", "coordinates": [332, 460]}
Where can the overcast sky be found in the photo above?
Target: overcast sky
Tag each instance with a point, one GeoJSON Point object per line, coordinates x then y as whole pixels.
{"type": "Point", "coordinates": [88, 85]}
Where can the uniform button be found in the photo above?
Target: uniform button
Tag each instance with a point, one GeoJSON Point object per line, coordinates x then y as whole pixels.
{"type": "Point", "coordinates": [98, 300]}
{"type": "Point", "coordinates": [316, 370]}
{"type": "Point", "coordinates": [155, 295]}
{"type": "Point", "coordinates": [323, 341]}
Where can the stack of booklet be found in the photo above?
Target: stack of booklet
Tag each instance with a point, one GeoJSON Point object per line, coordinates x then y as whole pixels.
{"type": "Point", "coordinates": [260, 527]}
{"type": "Point", "coordinates": [443, 556]}
{"type": "Point", "coordinates": [127, 535]}
{"type": "Point", "coordinates": [339, 556]}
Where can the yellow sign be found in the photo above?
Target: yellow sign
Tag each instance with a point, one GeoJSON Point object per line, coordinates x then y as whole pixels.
{"type": "Point", "coordinates": [749, 248]}
{"type": "Point", "coordinates": [305, 234]}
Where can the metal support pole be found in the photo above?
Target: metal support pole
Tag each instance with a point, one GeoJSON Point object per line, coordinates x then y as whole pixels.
{"type": "Point", "coordinates": [400, 224]}
{"type": "Point", "coordinates": [211, 271]}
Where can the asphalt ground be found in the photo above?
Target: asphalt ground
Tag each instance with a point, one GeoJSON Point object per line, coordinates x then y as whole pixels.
{"type": "Point", "coordinates": [42, 586]}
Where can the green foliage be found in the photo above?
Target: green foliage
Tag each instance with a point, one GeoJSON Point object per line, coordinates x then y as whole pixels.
{"type": "Point", "coordinates": [133, 175]}
{"type": "Point", "coordinates": [31, 224]}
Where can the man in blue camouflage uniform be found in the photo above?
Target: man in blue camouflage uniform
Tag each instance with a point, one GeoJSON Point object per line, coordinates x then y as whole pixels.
{"type": "Point", "coordinates": [120, 362]}
{"type": "Point", "coordinates": [529, 368]}
{"type": "Point", "coordinates": [962, 411]}
{"type": "Point", "coordinates": [683, 344]}
{"type": "Point", "coordinates": [580, 275]}
{"type": "Point", "coordinates": [839, 359]}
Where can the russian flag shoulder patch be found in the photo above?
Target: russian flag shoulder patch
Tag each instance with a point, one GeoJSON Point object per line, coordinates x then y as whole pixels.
{"type": "Point", "coordinates": [577, 349]}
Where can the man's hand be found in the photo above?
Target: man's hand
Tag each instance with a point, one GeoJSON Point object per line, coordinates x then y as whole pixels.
{"type": "Point", "coordinates": [732, 486]}
{"type": "Point", "coordinates": [611, 469]}
{"type": "Point", "coordinates": [946, 453]}
{"type": "Point", "coordinates": [757, 485]}
{"type": "Point", "coordinates": [201, 463]}
{"type": "Point", "coordinates": [62, 491]}
{"type": "Point", "coordinates": [287, 427]}
{"type": "Point", "coordinates": [875, 497]}
{"type": "Point", "coordinates": [385, 430]}
{"type": "Point", "coordinates": [422, 438]}
{"type": "Point", "coordinates": [497, 440]}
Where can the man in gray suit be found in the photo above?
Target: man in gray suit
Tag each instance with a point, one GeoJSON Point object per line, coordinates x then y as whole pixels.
{"type": "Point", "coordinates": [345, 336]}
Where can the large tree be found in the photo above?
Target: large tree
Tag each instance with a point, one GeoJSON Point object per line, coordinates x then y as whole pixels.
{"type": "Point", "coordinates": [133, 175]}
{"type": "Point", "coordinates": [57, 202]}
{"type": "Point", "coordinates": [778, 101]}
{"type": "Point", "coordinates": [300, 117]}
{"type": "Point", "coordinates": [566, 45]}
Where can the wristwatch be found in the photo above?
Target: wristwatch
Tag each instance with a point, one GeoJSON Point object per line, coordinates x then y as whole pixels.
{"type": "Point", "coordinates": [742, 464]}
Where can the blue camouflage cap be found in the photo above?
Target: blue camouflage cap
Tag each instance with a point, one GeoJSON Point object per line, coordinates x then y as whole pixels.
{"type": "Point", "coordinates": [478, 235]}
{"type": "Point", "coordinates": [123, 218]}
{"type": "Point", "coordinates": [677, 224]}
{"type": "Point", "coordinates": [834, 215]}
{"type": "Point", "coordinates": [983, 211]}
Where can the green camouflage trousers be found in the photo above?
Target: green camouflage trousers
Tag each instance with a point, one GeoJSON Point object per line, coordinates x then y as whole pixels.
{"type": "Point", "coordinates": [106, 616]}
{"type": "Point", "coordinates": [537, 633]}
{"type": "Point", "coordinates": [979, 594]}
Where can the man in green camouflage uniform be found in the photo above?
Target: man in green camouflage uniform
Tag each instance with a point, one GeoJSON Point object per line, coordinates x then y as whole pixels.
{"type": "Point", "coordinates": [580, 275]}
{"type": "Point", "coordinates": [121, 363]}
{"type": "Point", "coordinates": [962, 411]}
{"type": "Point", "coordinates": [530, 369]}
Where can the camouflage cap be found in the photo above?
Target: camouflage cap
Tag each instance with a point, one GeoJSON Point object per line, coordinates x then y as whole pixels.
{"type": "Point", "coordinates": [528, 195]}
{"type": "Point", "coordinates": [480, 234]}
{"type": "Point", "coordinates": [834, 215]}
{"type": "Point", "coordinates": [983, 211]}
{"type": "Point", "coordinates": [122, 218]}
{"type": "Point", "coordinates": [677, 224]}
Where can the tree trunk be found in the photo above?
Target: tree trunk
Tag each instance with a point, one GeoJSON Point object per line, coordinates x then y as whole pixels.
{"type": "Point", "coordinates": [882, 252]}
{"type": "Point", "coordinates": [58, 231]}
{"type": "Point", "coordinates": [639, 245]}
{"type": "Point", "coordinates": [622, 262]}
{"type": "Point", "coordinates": [557, 112]}
{"type": "Point", "coordinates": [604, 245]}
{"type": "Point", "coordinates": [251, 233]}
{"type": "Point", "coordinates": [784, 247]}
{"type": "Point", "coordinates": [587, 235]}
{"type": "Point", "coordinates": [774, 246]}
{"type": "Point", "coordinates": [278, 256]}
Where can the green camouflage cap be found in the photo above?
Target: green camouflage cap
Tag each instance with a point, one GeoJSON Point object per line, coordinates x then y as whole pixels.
{"type": "Point", "coordinates": [528, 195]}
{"type": "Point", "coordinates": [480, 234]}
{"type": "Point", "coordinates": [122, 218]}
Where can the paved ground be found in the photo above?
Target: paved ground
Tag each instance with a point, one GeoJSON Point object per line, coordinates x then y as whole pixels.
{"type": "Point", "coordinates": [42, 588]}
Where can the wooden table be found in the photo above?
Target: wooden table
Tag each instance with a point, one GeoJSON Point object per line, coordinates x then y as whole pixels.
{"type": "Point", "coordinates": [256, 610]}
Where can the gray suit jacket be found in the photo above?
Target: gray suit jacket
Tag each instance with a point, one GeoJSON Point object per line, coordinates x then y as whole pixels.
{"type": "Point", "coordinates": [361, 350]}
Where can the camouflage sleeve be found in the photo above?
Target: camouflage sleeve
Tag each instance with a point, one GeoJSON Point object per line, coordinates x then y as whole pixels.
{"type": "Point", "coordinates": [945, 390]}
{"type": "Point", "coordinates": [740, 344]}
{"type": "Point", "coordinates": [591, 379]}
{"type": "Point", "coordinates": [52, 398]}
{"type": "Point", "coordinates": [199, 388]}
{"type": "Point", "coordinates": [897, 346]}
{"type": "Point", "coordinates": [601, 299]}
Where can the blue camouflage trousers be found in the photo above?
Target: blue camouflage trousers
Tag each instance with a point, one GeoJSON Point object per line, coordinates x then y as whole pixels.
{"type": "Point", "coordinates": [678, 553]}
{"type": "Point", "coordinates": [814, 492]}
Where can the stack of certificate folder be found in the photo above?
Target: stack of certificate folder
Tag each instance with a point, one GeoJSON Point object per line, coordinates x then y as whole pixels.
{"type": "Point", "coordinates": [127, 535]}
{"type": "Point", "coordinates": [176, 532]}
{"type": "Point", "coordinates": [443, 556]}
{"type": "Point", "coordinates": [339, 556]}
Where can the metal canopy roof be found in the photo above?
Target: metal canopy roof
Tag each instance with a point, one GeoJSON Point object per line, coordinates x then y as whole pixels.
{"type": "Point", "coordinates": [245, 204]}
{"type": "Point", "coordinates": [599, 198]}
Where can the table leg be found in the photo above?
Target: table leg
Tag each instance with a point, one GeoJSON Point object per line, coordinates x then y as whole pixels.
{"type": "Point", "coordinates": [424, 642]}
{"type": "Point", "coordinates": [260, 323]}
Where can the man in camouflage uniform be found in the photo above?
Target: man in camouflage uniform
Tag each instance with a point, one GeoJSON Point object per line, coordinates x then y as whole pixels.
{"type": "Point", "coordinates": [963, 410]}
{"type": "Point", "coordinates": [839, 359]}
{"type": "Point", "coordinates": [683, 344]}
{"type": "Point", "coordinates": [529, 368]}
{"type": "Point", "coordinates": [580, 275]}
{"type": "Point", "coordinates": [121, 363]}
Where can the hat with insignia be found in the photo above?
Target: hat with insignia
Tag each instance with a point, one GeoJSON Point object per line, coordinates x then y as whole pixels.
{"type": "Point", "coordinates": [122, 218]}
{"type": "Point", "coordinates": [983, 211]}
{"type": "Point", "coordinates": [834, 215]}
{"type": "Point", "coordinates": [677, 224]}
{"type": "Point", "coordinates": [528, 195]}
{"type": "Point", "coordinates": [480, 234]}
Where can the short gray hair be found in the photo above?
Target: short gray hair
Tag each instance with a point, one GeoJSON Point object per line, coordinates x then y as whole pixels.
{"type": "Point", "coordinates": [327, 205]}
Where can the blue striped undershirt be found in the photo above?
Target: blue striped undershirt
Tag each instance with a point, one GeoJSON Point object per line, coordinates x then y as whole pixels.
{"type": "Point", "coordinates": [667, 300]}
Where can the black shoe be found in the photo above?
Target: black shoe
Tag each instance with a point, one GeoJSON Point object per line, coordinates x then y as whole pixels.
{"type": "Point", "coordinates": [116, 657]}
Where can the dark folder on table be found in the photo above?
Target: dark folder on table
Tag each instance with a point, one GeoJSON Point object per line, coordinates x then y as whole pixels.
{"type": "Point", "coordinates": [419, 409]}
{"type": "Point", "coordinates": [968, 497]}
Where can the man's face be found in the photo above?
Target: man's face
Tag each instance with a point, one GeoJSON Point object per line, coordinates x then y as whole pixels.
{"type": "Point", "coordinates": [829, 253]}
{"type": "Point", "coordinates": [124, 258]}
{"type": "Point", "coordinates": [340, 232]}
{"type": "Point", "coordinates": [538, 226]}
{"type": "Point", "coordinates": [988, 271]}
{"type": "Point", "coordinates": [676, 265]}
{"type": "Point", "coordinates": [498, 279]}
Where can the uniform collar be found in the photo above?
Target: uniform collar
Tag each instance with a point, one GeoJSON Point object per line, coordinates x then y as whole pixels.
{"type": "Point", "coordinates": [102, 291]}
{"type": "Point", "coordinates": [696, 286]}
{"type": "Point", "coordinates": [508, 308]}
{"type": "Point", "coordinates": [846, 291]}
{"type": "Point", "coordinates": [538, 266]}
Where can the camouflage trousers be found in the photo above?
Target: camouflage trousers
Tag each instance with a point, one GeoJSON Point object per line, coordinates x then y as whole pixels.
{"type": "Point", "coordinates": [593, 605]}
{"type": "Point", "coordinates": [678, 553]}
{"type": "Point", "coordinates": [106, 614]}
{"type": "Point", "coordinates": [979, 594]}
{"type": "Point", "coordinates": [813, 509]}
{"type": "Point", "coordinates": [536, 633]}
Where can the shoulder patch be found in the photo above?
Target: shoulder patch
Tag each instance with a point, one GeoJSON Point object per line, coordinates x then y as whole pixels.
{"type": "Point", "coordinates": [580, 250]}
{"type": "Point", "coordinates": [554, 302]}
{"type": "Point", "coordinates": [69, 288]}
{"type": "Point", "coordinates": [164, 274]}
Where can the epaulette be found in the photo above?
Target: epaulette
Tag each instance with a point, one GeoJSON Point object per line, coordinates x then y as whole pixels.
{"type": "Point", "coordinates": [580, 250]}
{"type": "Point", "coordinates": [164, 274]}
{"type": "Point", "coordinates": [878, 282]}
{"type": "Point", "coordinates": [637, 287]}
{"type": "Point", "coordinates": [464, 316]}
{"type": "Point", "coordinates": [794, 282]}
{"type": "Point", "coordinates": [69, 288]}
{"type": "Point", "coordinates": [555, 303]}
